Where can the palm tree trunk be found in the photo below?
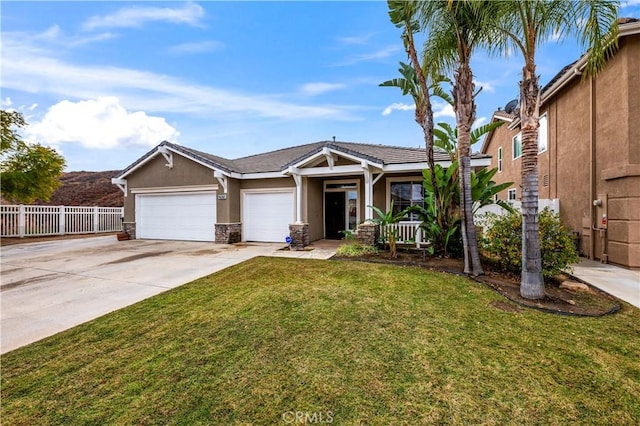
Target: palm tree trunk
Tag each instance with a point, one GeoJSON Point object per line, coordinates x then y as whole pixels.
{"type": "Point", "coordinates": [531, 284]}
{"type": "Point", "coordinates": [424, 117]}
{"type": "Point", "coordinates": [465, 112]}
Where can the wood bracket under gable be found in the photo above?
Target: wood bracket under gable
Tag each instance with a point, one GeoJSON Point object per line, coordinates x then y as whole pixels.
{"type": "Point", "coordinates": [120, 183]}
{"type": "Point", "coordinates": [329, 157]}
{"type": "Point", "coordinates": [168, 155]}
{"type": "Point", "coordinates": [222, 180]}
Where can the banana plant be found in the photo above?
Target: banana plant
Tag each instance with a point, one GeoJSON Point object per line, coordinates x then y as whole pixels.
{"type": "Point", "coordinates": [389, 233]}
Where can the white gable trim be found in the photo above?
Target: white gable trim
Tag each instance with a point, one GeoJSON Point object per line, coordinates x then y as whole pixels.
{"type": "Point", "coordinates": [329, 154]}
{"type": "Point", "coordinates": [167, 152]}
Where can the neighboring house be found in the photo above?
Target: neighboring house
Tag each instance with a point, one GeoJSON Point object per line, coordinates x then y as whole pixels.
{"type": "Point", "coordinates": [589, 151]}
{"type": "Point", "coordinates": [311, 191]}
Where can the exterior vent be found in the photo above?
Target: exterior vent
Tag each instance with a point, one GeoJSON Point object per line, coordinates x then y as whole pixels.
{"type": "Point", "coordinates": [545, 180]}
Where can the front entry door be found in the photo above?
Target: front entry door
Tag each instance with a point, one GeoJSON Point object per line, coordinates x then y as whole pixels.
{"type": "Point", "coordinates": [334, 215]}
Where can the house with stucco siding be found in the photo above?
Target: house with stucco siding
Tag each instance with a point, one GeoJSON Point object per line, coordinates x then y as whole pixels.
{"type": "Point", "coordinates": [589, 151]}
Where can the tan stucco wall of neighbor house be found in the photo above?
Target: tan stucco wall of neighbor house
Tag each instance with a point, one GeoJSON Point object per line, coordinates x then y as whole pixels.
{"type": "Point", "coordinates": [155, 174]}
{"type": "Point", "coordinates": [502, 137]}
{"type": "Point", "coordinates": [612, 126]}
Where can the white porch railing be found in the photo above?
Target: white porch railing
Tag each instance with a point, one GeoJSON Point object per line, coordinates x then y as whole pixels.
{"type": "Point", "coordinates": [407, 232]}
{"type": "Point", "coordinates": [28, 221]}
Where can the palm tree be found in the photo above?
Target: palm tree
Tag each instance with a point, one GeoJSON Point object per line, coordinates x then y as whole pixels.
{"type": "Point", "coordinates": [403, 14]}
{"type": "Point", "coordinates": [525, 24]}
{"type": "Point", "coordinates": [456, 29]}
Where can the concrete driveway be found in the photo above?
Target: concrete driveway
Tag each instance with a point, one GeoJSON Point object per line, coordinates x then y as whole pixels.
{"type": "Point", "coordinates": [52, 286]}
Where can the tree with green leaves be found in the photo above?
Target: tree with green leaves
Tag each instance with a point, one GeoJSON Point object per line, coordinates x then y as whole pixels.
{"type": "Point", "coordinates": [456, 30]}
{"type": "Point", "coordinates": [416, 81]}
{"type": "Point", "coordinates": [524, 25]}
{"type": "Point", "coordinates": [29, 171]}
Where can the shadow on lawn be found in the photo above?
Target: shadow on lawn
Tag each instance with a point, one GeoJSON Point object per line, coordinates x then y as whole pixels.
{"type": "Point", "coordinates": [587, 301]}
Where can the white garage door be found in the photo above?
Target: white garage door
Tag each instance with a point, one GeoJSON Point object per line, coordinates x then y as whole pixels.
{"type": "Point", "coordinates": [266, 215]}
{"type": "Point", "coordinates": [183, 216]}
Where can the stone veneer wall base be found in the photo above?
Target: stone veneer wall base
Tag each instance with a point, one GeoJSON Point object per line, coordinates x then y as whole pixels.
{"type": "Point", "coordinates": [228, 233]}
{"type": "Point", "coordinates": [299, 233]}
{"type": "Point", "coordinates": [368, 233]}
{"type": "Point", "coordinates": [130, 229]}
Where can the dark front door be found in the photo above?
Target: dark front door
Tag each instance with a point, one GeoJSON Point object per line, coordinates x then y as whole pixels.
{"type": "Point", "coordinates": [334, 215]}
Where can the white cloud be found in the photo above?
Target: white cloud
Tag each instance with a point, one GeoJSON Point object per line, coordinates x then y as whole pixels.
{"type": "Point", "coordinates": [196, 47]}
{"type": "Point", "coordinates": [99, 123]}
{"type": "Point", "coordinates": [443, 110]}
{"type": "Point", "coordinates": [397, 106]}
{"type": "Point", "coordinates": [486, 86]}
{"type": "Point", "coordinates": [629, 3]}
{"type": "Point", "coordinates": [313, 89]}
{"type": "Point", "coordinates": [479, 122]}
{"type": "Point", "coordinates": [55, 36]}
{"type": "Point", "coordinates": [30, 66]}
{"type": "Point", "coordinates": [383, 53]}
{"type": "Point", "coordinates": [6, 102]}
{"type": "Point", "coordinates": [356, 40]}
{"type": "Point", "coordinates": [131, 17]}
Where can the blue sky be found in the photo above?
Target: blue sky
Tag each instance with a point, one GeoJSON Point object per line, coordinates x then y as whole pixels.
{"type": "Point", "coordinates": [104, 82]}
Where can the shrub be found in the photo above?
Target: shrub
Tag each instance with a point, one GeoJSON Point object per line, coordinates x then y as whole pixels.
{"type": "Point", "coordinates": [503, 242]}
{"type": "Point", "coordinates": [355, 249]}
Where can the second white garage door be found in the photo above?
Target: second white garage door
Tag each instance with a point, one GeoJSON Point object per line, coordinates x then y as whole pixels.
{"type": "Point", "coordinates": [266, 215]}
{"type": "Point", "coordinates": [177, 216]}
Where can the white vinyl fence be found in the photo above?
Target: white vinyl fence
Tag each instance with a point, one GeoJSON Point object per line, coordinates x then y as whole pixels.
{"type": "Point", "coordinates": [480, 219]}
{"type": "Point", "coordinates": [407, 232]}
{"type": "Point", "coordinates": [30, 221]}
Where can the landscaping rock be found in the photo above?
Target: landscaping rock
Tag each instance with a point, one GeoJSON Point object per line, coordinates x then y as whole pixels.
{"type": "Point", "coordinates": [574, 286]}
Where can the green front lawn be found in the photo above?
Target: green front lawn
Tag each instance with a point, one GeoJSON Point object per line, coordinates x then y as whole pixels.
{"type": "Point", "coordinates": [349, 342]}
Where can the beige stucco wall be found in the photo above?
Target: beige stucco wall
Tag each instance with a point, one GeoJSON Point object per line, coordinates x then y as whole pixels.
{"type": "Point", "coordinates": [155, 173]}
{"type": "Point", "coordinates": [228, 211]}
{"type": "Point", "coordinates": [313, 207]}
{"type": "Point", "coordinates": [285, 182]}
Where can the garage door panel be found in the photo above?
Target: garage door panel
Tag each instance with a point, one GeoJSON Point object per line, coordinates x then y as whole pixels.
{"type": "Point", "coordinates": [267, 215]}
{"type": "Point", "coordinates": [176, 216]}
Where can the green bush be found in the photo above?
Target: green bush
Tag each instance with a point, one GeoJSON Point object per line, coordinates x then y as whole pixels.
{"type": "Point", "coordinates": [355, 249]}
{"type": "Point", "coordinates": [503, 242]}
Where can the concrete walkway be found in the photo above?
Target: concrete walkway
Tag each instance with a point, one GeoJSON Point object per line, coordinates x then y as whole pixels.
{"type": "Point", "coordinates": [619, 282]}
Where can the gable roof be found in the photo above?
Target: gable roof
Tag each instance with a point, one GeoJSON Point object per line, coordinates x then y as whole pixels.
{"type": "Point", "coordinates": [280, 160]}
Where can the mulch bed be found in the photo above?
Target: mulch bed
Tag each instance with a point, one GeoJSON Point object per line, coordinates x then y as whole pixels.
{"type": "Point", "coordinates": [590, 302]}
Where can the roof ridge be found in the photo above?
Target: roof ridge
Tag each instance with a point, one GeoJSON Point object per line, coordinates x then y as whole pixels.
{"type": "Point", "coordinates": [280, 150]}
{"type": "Point", "coordinates": [382, 145]}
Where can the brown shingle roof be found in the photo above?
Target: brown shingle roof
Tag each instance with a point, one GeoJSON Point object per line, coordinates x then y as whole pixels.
{"type": "Point", "coordinates": [278, 160]}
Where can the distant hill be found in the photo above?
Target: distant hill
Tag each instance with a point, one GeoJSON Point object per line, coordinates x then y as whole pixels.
{"type": "Point", "coordinates": [87, 189]}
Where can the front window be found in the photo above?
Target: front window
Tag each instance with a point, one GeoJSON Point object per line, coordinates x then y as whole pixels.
{"type": "Point", "coordinates": [543, 134]}
{"type": "Point", "coordinates": [406, 194]}
{"type": "Point", "coordinates": [352, 199]}
{"type": "Point", "coordinates": [517, 146]}
{"type": "Point", "coordinates": [500, 159]}
{"type": "Point", "coordinates": [511, 195]}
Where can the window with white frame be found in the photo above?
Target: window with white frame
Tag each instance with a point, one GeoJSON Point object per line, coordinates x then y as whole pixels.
{"type": "Point", "coordinates": [543, 133]}
{"type": "Point", "coordinates": [516, 146]}
{"type": "Point", "coordinates": [499, 159]}
{"type": "Point", "coordinates": [512, 194]}
{"type": "Point", "coordinates": [405, 194]}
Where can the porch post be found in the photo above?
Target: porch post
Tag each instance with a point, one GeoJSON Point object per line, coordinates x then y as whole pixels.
{"type": "Point", "coordinates": [368, 192]}
{"type": "Point", "coordinates": [298, 179]}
